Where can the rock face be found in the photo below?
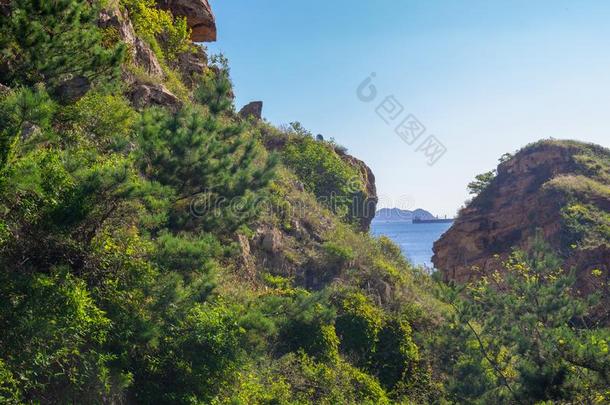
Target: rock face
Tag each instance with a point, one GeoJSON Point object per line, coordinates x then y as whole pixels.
{"type": "Point", "coordinates": [141, 53]}
{"type": "Point", "coordinates": [191, 65]}
{"type": "Point", "coordinates": [73, 89]}
{"type": "Point", "coordinates": [252, 109]}
{"type": "Point", "coordinates": [535, 192]}
{"type": "Point", "coordinates": [367, 206]}
{"type": "Point", "coordinates": [198, 15]}
{"type": "Point", "coordinates": [144, 95]}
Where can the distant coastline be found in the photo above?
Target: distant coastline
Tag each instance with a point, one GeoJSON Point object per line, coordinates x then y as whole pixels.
{"type": "Point", "coordinates": [416, 216]}
{"type": "Point", "coordinates": [433, 221]}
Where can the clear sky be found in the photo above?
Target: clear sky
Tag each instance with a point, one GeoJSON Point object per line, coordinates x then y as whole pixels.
{"type": "Point", "coordinates": [484, 77]}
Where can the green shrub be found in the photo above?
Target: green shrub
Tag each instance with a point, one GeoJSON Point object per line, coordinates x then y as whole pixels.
{"type": "Point", "coordinates": [52, 41]}
{"type": "Point", "coordinates": [105, 120]}
{"type": "Point", "coordinates": [334, 182]}
{"type": "Point", "coordinates": [52, 331]}
{"type": "Point", "coordinates": [167, 35]}
{"type": "Point", "coordinates": [215, 89]}
{"type": "Point", "coordinates": [358, 324]}
{"type": "Point", "coordinates": [309, 326]}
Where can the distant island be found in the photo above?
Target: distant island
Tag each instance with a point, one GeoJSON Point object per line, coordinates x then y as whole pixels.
{"type": "Point", "coordinates": [419, 215]}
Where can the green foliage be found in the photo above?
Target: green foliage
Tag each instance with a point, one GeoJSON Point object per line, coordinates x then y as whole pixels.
{"type": "Point", "coordinates": [309, 326]}
{"type": "Point", "coordinates": [215, 89]}
{"type": "Point", "coordinates": [358, 324]}
{"type": "Point", "coordinates": [52, 331]}
{"type": "Point", "coordinates": [588, 226]}
{"type": "Point", "coordinates": [53, 41]}
{"type": "Point", "coordinates": [168, 36]}
{"type": "Point", "coordinates": [200, 352]}
{"type": "Point", "coordinates": [481, 182]}
{"type": "Point", "coordinates": [20, 110]}
{"type": "Point", "coordinates": [334, 182]}
{"type": "Point", "coordinates": [205, 161]}
{"type": "Point", "coordinates": [525, 337]}
{"type": "Point", "coordinates": [121, 281]}
{"type": "Point", "coordinates": [104, 120]}
{"type": "Point", "coordinates": [396, 356]}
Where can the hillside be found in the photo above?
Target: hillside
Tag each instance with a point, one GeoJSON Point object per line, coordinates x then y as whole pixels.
{"type": "Point", "coordinates": [560, 189]}
{"type": "Point", "coordinates": [159, 247]}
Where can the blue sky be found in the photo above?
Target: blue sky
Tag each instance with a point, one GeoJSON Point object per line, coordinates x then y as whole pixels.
{"type": "Point", "coordinates": [484, 77]}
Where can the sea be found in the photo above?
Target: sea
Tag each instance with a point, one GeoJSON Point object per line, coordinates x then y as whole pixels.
{"type": "Point", "coordinates": [415, 240]}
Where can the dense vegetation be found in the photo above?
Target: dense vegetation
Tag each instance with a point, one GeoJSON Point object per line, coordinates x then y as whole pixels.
{"type": "Point", "coordinates": [121, 279]}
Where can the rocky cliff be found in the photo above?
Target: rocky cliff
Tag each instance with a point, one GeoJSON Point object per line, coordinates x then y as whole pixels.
{"type": "Point", "coordinates": [198, 15]}
{"type": "Point", "coordinates": [560, 189]}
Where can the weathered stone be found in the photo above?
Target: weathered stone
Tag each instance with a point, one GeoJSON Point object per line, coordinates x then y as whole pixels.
{"type": "Point", "coordinates": [28, 130]}
{"type": "Point", "coordinates": [253, 109]}
{"type": "Point", "coordinates": [73, 89]}
{"type": "Point", "coordinates": [191, 65]}
{"type": "Point", "coordinates": [518, 205]}
{"type": "Point", "coordinates": [246, 260]}
{"type": "Point", "coordinates": [145, 95]}
{"type": "Point", "coordinates": [139, 50]}
{"type": "Point", "coordinates": [146, 58]}
{"type": "Point", "coordinates": [271, 240]}
{"type": "Point", "coordinates": [198, 15]}
{"type": "Point", "coordinates": [4, 89]}
{"type": "Point", "coordinates": [366, 206]}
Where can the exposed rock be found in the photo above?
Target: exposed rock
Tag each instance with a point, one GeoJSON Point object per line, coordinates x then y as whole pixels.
{"type": "Point", "coordinates": [528, 196]}
{"type": "Point", "coordinates": [144, 95]}
{"type": "Point", "coordinates": [191, 65]}
{"type": "Point", "coordinates": [271, 240]}
{"type": "Point", "coordinates": [246, 260]}
{"type": "Point", "coordinates": [139, 50]}
{"type": "Point", "coordinates": [28, 130]}
{"type": "Point", "coordinates": [72, 89]}
{"type": "Point", "coordinates": [4, 89]}
{"type": "Point", "coordinates": [367, 205]}
{"type": "Point", "coordinates": [145, 58]}
{"type": "Point", "coordinates": [252, 109]}
{"type": "Point", "coordinates": [198, 15]}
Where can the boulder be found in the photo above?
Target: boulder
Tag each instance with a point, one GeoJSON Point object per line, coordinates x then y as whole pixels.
{"type": "Point", "coordinates": [271, 240]}
{"type": "Point", "coordinates": [198, 15]}
{"type": "Point", "coordinates": [145, 95]}
{"type": "Point", "coordinates": [253, 109]}
{"type": "Point", "coordinates": [73, 89]}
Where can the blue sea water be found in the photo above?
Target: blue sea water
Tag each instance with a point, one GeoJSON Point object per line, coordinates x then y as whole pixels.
{"type": "Point", "coordinates": [415, 240]}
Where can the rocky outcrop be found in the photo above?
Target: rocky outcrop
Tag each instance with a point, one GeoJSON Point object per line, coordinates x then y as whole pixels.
{"type": "Point", "coordinates": [253, 109]}
{"type": "Point", "coordinates": [140, 53]}
{"type": "Point", "coordinates": [529, 196]}
{"type": "Point", "coordinates": [73, 89]}
{"type": "Point", "coordinates": [367, 205]}
{"type": "Point", "coordinates": [145, 95]}
{"type": "Point", "coordinates": [191, 65]}
{"type": "Point", "coordinates": [198, 15]}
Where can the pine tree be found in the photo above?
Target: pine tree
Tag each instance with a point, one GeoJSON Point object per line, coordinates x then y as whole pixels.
{"type": "Point", "coordinates": [54, 41]}
{"type": "Point", "coordinates": [215, 89]}
{"type": "Point", "coordinates": [203, 158]}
